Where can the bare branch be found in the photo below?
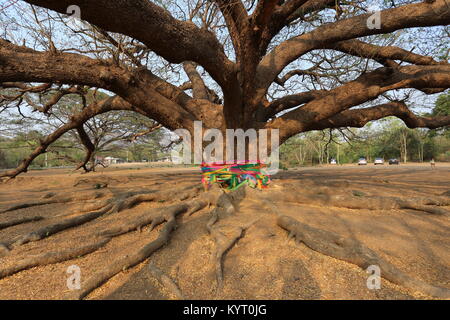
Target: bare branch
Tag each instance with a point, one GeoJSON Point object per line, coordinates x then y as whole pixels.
{"type": "Point", "coordinates": [407, 16]}
{"type": "Point", "coordinates": [54, 99]}
{"type": "Point", "coordinates": [382, 54]}
{"type": "Point", "coordinates": [365, 88]}
{"type": "Point", "coordinates": [291, 101]}
{"type": "Point", "coordinates": [134, 137]}
{"type": "Point", "coordinates": [358, 118]}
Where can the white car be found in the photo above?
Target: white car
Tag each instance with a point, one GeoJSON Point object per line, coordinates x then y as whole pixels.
{"type": "Point", "coordinates": [378, 161]}
{"type": "Point", "coordinates": [362, 162]}
{"type": "Point", "coordinates": [333, 161]}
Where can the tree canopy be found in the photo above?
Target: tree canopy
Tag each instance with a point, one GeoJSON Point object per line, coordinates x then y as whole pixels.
{"type": "Point", "coordinates": [296, 66]}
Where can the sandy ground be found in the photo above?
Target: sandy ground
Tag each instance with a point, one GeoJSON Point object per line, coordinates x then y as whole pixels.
{"type": "Point", "coordinates": [262, 265]}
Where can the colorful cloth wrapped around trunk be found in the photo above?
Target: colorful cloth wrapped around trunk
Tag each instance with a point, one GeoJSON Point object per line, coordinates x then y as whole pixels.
{"type": "Point", "coordinates": [233, 176]}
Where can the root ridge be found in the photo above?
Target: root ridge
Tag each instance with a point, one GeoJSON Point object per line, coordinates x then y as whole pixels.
{"type": "Point", "coordinates": [51, 257]}
{"type": "Point", "coordinates": [15, 222]}
{"type": "Point", "coordinates": [127, 260]}
{"type": "Point", "coordinates": [51, 229]}
{"type": "Point", "coordinates": [165, 281]}
{"type": "Point", "coordinates": [350, 250]}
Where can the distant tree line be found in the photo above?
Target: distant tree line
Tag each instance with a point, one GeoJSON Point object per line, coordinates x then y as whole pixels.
{"type": "Point", "coordinates": [387, 138]}
{"type": "Point", "coordinates": [119, 134]}
{"type": "Point", "coordinates": [69, 152]}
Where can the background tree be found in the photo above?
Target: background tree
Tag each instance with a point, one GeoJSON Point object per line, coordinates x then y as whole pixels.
{"type": "Point", "coordinates": [106, 132]}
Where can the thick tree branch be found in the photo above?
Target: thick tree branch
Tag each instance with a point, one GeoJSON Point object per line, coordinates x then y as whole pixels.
{"type": "Point", "coordinates": [234, 13]}
{"type": "Point", "coordinates": [156, 28]}
{"type": "Point", "coordinates": [308, 7]}
{"type": "Point", "coordinates": [233, 10]}
{"type": "Point", "coordinates": [291, 7]}
{"type": "Point", "coordinates": [89, 146]}
{"type": "Point", "coordinates": [366, 88]}
{"type": "Point", "coordinates": [186, 86]}
{"type": "Point", "coordinates": [270, 19]}
{"type": "Point", "coordinates": [22, 64]}
{"type": "Point", "coordinates": [291, 101]}
{"type": "Point", "coordinates": [163, 102]}
{"type": "Point", "coordinates": [235, 17]}
{"type": "Point", "coordinates": [407, 16]}
{"type": "Point", "coordinates": [381, 54]}
{"type": "Point", "coordinates": [263, 13]}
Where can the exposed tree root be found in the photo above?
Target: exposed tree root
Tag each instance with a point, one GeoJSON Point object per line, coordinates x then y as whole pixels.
{"type": "Point", "coordinates": [223, 244]}
{"type": "Point", "coordinates": [33, 204]}
{"type": "Point", "coordinates": [98, 209]}
{"type": "Point", "coordinates": [51, 257]}
{"type": "Point", "coordinates": [165, 214]}
{"type": "Point", "coordinates": [352, 251]}
{"type": "Point", "coordinates": [343, 198]}
{"type": "Point", "coordinates": [165, 281]}
{"type": "Point", "coordinates": [51, 229]}
{"type": "Point", "coordinates": [224, 237]}
{"type": "Point", "coordinates": [130, 200]}
{"type": "Point", "coordinates": [128, 260]}
{"type": "Point", "coordinates": [150, 218]}
{"type": "Point", "coordinates": [54, 200]}
{"type": "Point", "coordinates": [125, 200]}
{"type": "Point", "coordinates": [214, 218]}
{"type": "Point", "coordinates": [48, 195]}
{"type": "Point", "coordinates": [93, 181]}
{"type": "Point", "coordinates": [15, 222]}
{"type": "Point", "coordinates": [388, 203]}
{"type": "Point", "coordinates": [425, 208]}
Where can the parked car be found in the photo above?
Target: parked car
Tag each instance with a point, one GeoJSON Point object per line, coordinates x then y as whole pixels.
{"type": "Point", "coordinates": [362, 162]}
{"type": "Point", "coordinates": [333, 161]}
{"type": "Point", "coordinates": [394, 161]}
{"type": "Point", "coordinates": [378, 161]}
